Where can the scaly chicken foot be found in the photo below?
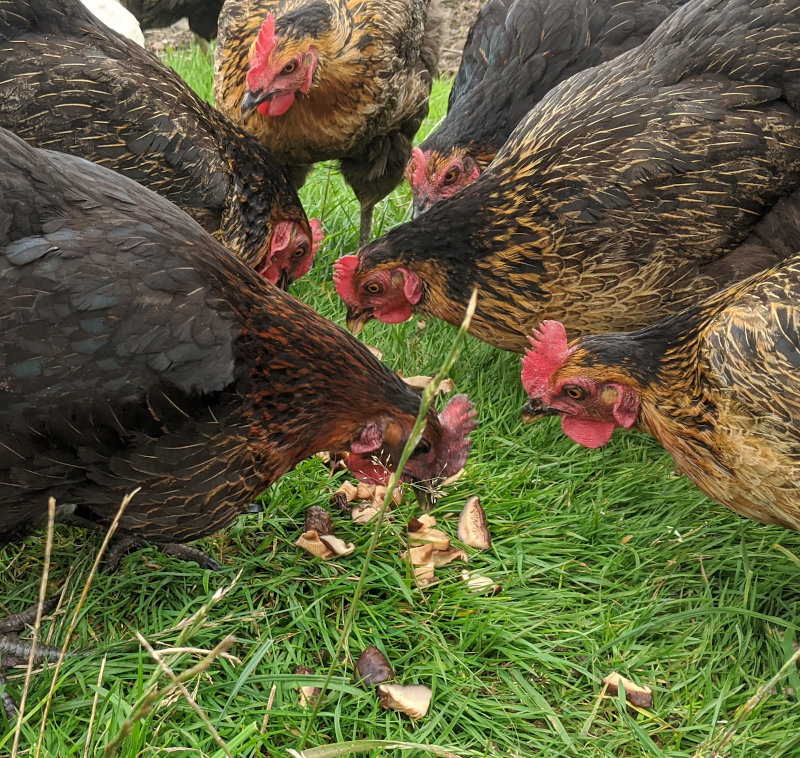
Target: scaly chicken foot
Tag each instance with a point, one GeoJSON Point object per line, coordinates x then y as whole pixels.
{"type": "Point", "coordinates": [121, 546]}
{"type": "Point", "coordinates": [15, 651]}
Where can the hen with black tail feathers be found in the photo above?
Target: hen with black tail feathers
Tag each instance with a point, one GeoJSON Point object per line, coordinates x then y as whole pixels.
{"type": "Point", "coordinates": [631, 191]}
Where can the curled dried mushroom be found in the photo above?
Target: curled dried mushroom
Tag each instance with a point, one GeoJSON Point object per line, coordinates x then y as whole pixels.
{"type": "Point", "coordinates": [472, 529]}
{"type": "Point", "coordinates": [413, 700]}
{"type": "Point", "coordinates": [642, 697]}
{"type": "Point", "coordinates": [308, 693]}
{"type": "Point", "coordinates": [479, 583]}
{"type": "Point", "coordinates": [324, 545]}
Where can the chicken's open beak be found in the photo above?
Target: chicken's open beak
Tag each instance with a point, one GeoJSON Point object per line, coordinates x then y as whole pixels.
{"type": "Point", "coordinates": [534, 410]}
{"type": "Point", "coordinates": [252, 100]}
{"type": "Point", "coordinates": [357, 319]}
{"type": "Point", "coordinates": [284, 280]}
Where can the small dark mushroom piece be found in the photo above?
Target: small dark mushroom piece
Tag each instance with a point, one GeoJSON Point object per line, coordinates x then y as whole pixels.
{"type": "Point", "coordinates": [373, 668]}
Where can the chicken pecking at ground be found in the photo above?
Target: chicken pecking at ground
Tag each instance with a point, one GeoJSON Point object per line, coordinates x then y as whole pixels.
{"type": "Point", "coordinates": [69, 83]}
{"type": "Point", "coordinates": [718, 385]}
{"type": "Point", "coordinates": [135, 352]}
{"type": "Point", "coordinates": [631, 191]}
{"type": "Point", "coordinates": [516, 51]}
{"type": "Point", "coordinates": [330, 79]}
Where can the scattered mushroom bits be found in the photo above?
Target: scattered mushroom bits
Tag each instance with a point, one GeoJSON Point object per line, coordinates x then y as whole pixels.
{"type": "Point", "coordinates": [472, 529]}
{"type": "Point", "coordinates": [421, 382]}
{"type": "Point", "coordinates": [413, 700]}
{"type": "Point", "coordinates": [641, 697]}
{"type": "Point", "coordinates": [373, 668]}
{"type": "Point", "coordinates": [421, 530]}
{"type": "Point", "coordinates": [318, 538]}
{"type": "Point", "coordinates": [308, 693]}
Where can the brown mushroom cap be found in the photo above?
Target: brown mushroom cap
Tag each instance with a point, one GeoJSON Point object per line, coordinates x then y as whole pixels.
{"type": "Point", "coordinates": [642, 697]}
{"type": "Point", "coordinates": [318, 520]}
{"type": "Point", "coordinates": [372, 667]}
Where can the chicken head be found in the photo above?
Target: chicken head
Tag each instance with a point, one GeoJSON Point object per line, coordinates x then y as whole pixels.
{"type": "Point", "coordinates": [590, 405]}
{"type": "Point", "coordinates": [291, 252]}
{"type": "Point", "coordinates": [385, 294]}
{"type": "Point", "coordinates": [279, 71]}
{"type": "Point", "coordinates": [434, 176]}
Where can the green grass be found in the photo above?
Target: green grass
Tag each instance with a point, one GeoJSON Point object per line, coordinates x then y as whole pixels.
{"type": "Point", "coordinates": [608, 560]}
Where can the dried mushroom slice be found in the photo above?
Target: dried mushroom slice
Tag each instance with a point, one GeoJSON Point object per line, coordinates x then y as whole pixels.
{"type": "Point", "coordinates": [421, 382]}
{"type": "Point", "coordinates": [325, 545]}
{"type": "Point", "coordinates": [413, 700]}
{"type": "Point", "coordinates": [479, 583]}
{"type": "Point", "coordinates": [443, 557]}
{"type": "Point", "coordinates": [641, 697]}
{"type": "Point", "coordinates": [308, 694]}
{"type": "Point", "coordinates": [472, 529]}
{"type": "Point", "coordinates": [373, 668]}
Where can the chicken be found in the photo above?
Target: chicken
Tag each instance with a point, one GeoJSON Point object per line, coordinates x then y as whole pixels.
{"type": "Point", "coordinates": [718, 385]}
{"type": "Point", "coordinates": [137, 353]}
{"type": "Point", "coordinates": [315, 80]}
{"type": "Point", "coordinates": [202, 15]}
{"type": "Point", "coordinates": [516, 51]}
{"type": "Point", "coordinates": [70, 83]}
{"type": "Point", "coordinates": [631, 191]}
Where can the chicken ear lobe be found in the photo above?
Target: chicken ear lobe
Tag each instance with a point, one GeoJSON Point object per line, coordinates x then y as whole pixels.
{"type": "Point", "coordinates": [626, 408]}
{"type": "Point", "coordinates": [412, 286]}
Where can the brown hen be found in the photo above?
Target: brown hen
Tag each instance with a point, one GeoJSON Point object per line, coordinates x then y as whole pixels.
{"type": "Point", "coordinates": [320, 79]}
{"type": "Point", "coordinates": [69, 83]}
{"type": "Point", "coordinates": [135, 352]}
{"type": "Point", "coordinates": [622, 198]}
{"type": "Point", "coordinates": [718, 385]}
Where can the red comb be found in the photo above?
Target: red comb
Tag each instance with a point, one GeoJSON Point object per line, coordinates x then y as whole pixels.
{"type": "Point", "coordinates": [343, 271]}
{"type": "Point", "coordinates": [265, 44]}
{"type": "Point", "coordinates": [317, 233]}
{"type": "Point", "coordinates": [417, 171]}
{"type": "Point", "coordinates": [549, 350]}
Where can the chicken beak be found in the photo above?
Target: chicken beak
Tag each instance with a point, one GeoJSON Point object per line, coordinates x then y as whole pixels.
{"type": "Point", "coordinates": [284, 280]}
{"type": "Point", "coordinates": [252, 100]}
{"type": "Point", "coordinates": [534, 411]}
{"type": "Point", "coordinates": [357, 319]}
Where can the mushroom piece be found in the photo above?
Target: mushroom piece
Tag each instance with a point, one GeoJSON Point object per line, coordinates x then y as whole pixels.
{"type": "Point", "coordinates": [324, 545]}
{"type": "Point", "coordinates": [318, 520]}
{"type": "Point", "coordinates": [421, 558]}
{"type": "Point", "coordinates": [413, 700]}
{"type": "Point", "coordinates": [420, 530]}
{"type": "Point", "coordinates": [472, 528]}
{"type": "Point", "coordinates": [308, 693]}
{"type": "Point", "coordinates": [479, 583]}
{"type": "Point", "coordinates": [443, 557]}
{"type": "Point", "coordinates": [373, 668]}
{"type": "Point", "coordinates": [642, 697]}
{"type": "Point", "coordinates": [421, 382]}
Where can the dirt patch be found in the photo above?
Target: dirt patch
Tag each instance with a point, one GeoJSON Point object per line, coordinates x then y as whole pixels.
{"type": "Point", "coordinates": [458, 17]}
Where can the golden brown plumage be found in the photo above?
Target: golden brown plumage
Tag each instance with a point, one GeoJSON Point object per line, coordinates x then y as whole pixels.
{"type": "Point", "coordinates": [717, 385]}
{"type": "Point", "coordinates": [623, 197]}
{"type": "Point", "coordinates": [69, 83]}
{"type": "Point", "coordinates": [516, 52]}
{"type": "Point", "coordinates": [356, 88]}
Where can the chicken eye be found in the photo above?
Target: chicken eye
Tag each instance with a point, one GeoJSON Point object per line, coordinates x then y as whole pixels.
{"type": "Point", "coordinates": [575, 392]}
{"type": "Point", "coordinates": [423, 447]}
{"type": "Point", "coordinates": [300, 252]}
{"type": "Point", "coordinates": [289, 68]}
{"type": "Point", "coordinates": [450, 176]}
{"type": "Point", "coordinates": [374, 288]}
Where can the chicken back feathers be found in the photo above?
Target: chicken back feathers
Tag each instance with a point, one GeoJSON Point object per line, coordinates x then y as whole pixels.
{"type": "Point", "coordinates": [70, 83]}
{"type": "Point", "coordinates": [330, 79]}
{"type": "Point", "coordinates": [718, 385]}
{"type": "Point", "coordinates": [516, 51]}
{"type": "Point", "coordinates": [623, 196]}
{"type": "Point", "coordinates": [137, 352]}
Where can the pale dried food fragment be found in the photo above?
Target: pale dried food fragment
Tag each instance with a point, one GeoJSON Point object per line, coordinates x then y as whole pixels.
{"type": "Point", "coordinates": [420, 382]}
{"type": "Point", "coordinates": [641, 697]}
{"type": "Point", "coordinates": [363, 514]}
{"type": "Point", "coordinates": [472, 529]}
{"type": "Point", "coordinates": [479, 583]}
{"type": "Point", "coordinates": [308, 693]}
{"type": "Point", "coordinates": [421, 530]}
{"type": "Point", "coordinates": [318, 520]}
{"type": "Point", "coordinates": [337, 545]}
{"type": "Point", "coordinates": [324, 546]}
{"type": "Point", "coordinates": [374, 350]}
{"type": "Point", "coordinates": [413, 700]}
{"type": "Point", "coordinates": [452, 478]}
{"type": "Point", "coordinates": [348, 489]}
{"type": "Point", "coordinates": [443, 557]}
{"type": "Point", "coordinates": [372, 667]}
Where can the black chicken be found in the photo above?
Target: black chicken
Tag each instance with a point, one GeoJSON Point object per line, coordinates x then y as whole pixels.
{"type": "Point", "coordinates": [202, 15]}
{"type": "Point", "coordinates": [622, 197]}
{"type": "Point", "coordinates": [135, 351]}
{"type": "Point", "coordinates": [70, 83]}
{"type": "Point", "coordinates": [516, 52]}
